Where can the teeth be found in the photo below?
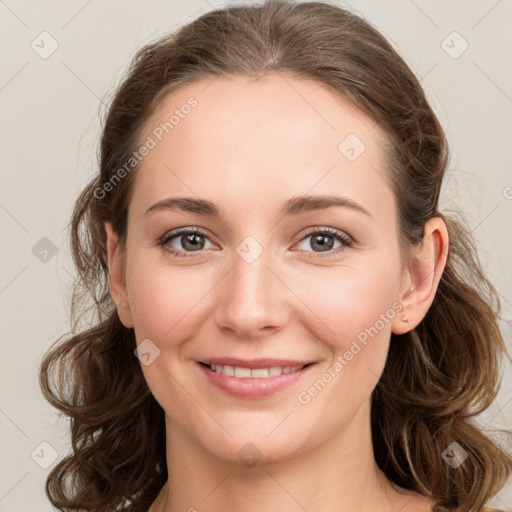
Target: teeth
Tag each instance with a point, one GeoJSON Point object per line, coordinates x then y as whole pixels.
{"type": "Point", "coordinates": [245, 373]}
{"type": "Point", "coordinates": [274, 371]}
{"type": "Point", "coordinates": [242, 372]}
{"type": "Point", "coordinates": [260, 372]}
{"type": "Point", "coordinates": [228, 370]}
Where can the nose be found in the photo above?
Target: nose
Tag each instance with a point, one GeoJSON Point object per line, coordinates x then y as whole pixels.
{"type": "Point", "coordinates": [254, 301]}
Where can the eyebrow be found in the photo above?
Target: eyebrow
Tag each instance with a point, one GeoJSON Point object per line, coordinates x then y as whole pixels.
{"type": "Point", "coordinates": [294, 206]}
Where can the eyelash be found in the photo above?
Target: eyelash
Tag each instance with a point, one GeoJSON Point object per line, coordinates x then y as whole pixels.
{"type": "Point", "coordinates": [337, 235]}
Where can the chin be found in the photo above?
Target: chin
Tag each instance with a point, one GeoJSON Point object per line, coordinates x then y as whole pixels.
{"type": "Point", "coordinates": [273, 443]}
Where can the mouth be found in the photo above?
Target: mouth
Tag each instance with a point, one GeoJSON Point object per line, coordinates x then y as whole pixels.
{"type": "Point", "coordinates": [242, 372]}
{"type": "Point", "coordinates": [254, 379]}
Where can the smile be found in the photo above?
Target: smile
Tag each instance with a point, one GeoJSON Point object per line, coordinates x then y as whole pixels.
{"type": "Point", "coordinates": [253, 379]}
{"type": "Point", "coordinates": [245, 373]}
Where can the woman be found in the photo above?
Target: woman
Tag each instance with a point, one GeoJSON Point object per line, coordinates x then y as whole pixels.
{"type": "Point", "coordinates": [311, 332]}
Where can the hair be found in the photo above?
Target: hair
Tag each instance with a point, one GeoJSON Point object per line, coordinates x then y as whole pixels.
{"type": "Point", "coordinates": [437, 377]}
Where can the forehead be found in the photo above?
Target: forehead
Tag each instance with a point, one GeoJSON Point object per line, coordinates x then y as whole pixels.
{"type": "Point", "coordinates": [257, 139]}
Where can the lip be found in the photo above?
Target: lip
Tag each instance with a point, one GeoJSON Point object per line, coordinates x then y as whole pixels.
{"type": "Point", "coordinates": [254, 363]}
{"type": "Point", "coordinates": [254, 388]}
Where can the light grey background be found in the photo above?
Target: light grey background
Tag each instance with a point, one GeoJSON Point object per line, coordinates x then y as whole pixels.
{"type": "Point", "coordinates": [50, 128]}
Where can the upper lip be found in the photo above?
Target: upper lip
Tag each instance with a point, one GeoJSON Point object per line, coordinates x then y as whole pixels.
{"type": "Point", "coordinates": [254, 363]}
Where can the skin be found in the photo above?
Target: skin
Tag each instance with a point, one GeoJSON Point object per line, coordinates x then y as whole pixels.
{"type": "Point", "coordinates": [249, 146]}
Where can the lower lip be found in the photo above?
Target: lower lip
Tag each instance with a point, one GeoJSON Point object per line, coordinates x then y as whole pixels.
{"type": "Point", "coordinates": [254, 387]}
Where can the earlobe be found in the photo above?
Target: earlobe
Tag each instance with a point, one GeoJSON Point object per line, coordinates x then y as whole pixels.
{"type": "Point", "coordinates": [424, 274]}
{"type": "Point", "coordinates": [116, 276]}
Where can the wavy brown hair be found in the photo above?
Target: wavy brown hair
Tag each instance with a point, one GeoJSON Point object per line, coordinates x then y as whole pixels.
{"type": "Point", "coordinates": [437, 377]}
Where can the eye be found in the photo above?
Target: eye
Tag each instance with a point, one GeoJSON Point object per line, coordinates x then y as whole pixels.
{"type": "Point", "coordinates": [183, 241]}
{"type": "Point", "coordinates": [324, 239]}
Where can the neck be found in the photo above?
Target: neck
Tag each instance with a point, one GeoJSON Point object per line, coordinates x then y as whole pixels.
{"type": "Point", "coordinates": [340, 475]}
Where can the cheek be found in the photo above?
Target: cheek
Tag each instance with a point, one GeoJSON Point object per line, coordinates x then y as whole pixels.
{"type": "Point", "coordinates": [336, 303]}
{"type": "Point", "coordinates": [164, 300]}
{"type": "Point", "coordinates": [357, 313]}
{"type": "Point", "coordinates": [165, 303]}
{"type": "Point", "coordinates": [347, 302]}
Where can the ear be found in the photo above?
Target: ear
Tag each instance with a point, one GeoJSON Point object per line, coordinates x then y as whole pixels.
{"type": "Point", "coordinates": [116, 276]}
{"type": "Point", "coordinates": [421, 278]}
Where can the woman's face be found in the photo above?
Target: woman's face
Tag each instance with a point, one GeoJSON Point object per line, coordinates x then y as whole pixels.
{"type": "Point", "coordinates": [256, 290]}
